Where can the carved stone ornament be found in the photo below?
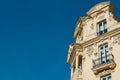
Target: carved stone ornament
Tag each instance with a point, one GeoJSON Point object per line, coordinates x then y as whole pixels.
{"type": "Point", "coordinates": [81, 36]}
{"type": "Point", "coordinates": [92, 27]}
{"type": "Point", "coordinates": [110, 49]}
{"type": "Point", "coordinates": [83, 58]}
{"type": "Point", "coordinates": [89, 50]}
{"type": "Point", "coordinates": [95, 50]}
{"type": "Point", "coordinates": [95, 54]}
{"type": "Point", "coordinates": [116, 39]}
{"type": "Point", "coordinates": [101, 17]}
{"type": "Point", "coordinates": [105, 72]}
{"type": "Point", "coordinates": [110, 16]}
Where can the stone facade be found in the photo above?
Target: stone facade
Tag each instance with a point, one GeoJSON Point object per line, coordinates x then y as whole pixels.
{"type": "Point", "coordinates": [95, 54]}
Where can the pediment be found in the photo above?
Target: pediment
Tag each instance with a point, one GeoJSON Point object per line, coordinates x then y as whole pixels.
{"type": "Point", "coordinates": [100, 6]}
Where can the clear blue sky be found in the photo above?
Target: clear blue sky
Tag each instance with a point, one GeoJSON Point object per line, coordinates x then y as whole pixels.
{"type": "Point", "coordinates": [35, 36]}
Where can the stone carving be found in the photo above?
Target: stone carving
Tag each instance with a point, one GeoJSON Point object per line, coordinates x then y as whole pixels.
{"type": "Point", "coordinates": [101, 17]}
{"type": "Point", "coordinates": [110, 48]}
{"type": "Point", "coordinates": [83, 58]}
{"type": "Point", "coordinates": [95, 54]}
{"type": "Point", "coordinates": [92, 27]}
{"type": "Point", "coordinates": [95, 50]}
{"type": "Point", "coordinates": [81, 36]}
{"type": "Point", "coordinates": [110, 16]}
{"type": "Point", "coordinates": [89, 50]}
{"type": "Point", "coordinates": [116, 39]}
{"type": "Point", "coordinates": [110, 45]}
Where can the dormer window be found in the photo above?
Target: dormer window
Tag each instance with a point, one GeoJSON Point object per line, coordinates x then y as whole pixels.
{"type": "Point", "coordinates": [102, 27]}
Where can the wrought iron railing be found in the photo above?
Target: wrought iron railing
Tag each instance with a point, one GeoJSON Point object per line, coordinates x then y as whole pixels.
{"type": "Point", "coordinates": [103, 60]}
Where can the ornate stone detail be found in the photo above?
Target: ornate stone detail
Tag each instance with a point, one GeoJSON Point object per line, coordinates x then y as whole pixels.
{"type": "Point", "coordinates": [92, 27]}
{"type": "Point", "coordinates": [83, 58]}
{"type": "Point", "coordinates": [80, 36]}
{"type": "Point", "coordinates": [89, 50]}
{"type": "Point", "coordinates": [116, 39]}
{"type": "Point", "coordinates": [95, 54]}
{"type": "Point", "coordinates": [110, 49]}
{"type": "Point", "coordinates": [101, 17]}
{"type": "Point", "coordinates": [105, 72]}
{"type": "Point", "coordinates": [110, 16]}
{"type": "Point", "coordinates": [110, 44]}
{"type": "Point", "coordinates": [95, 50]}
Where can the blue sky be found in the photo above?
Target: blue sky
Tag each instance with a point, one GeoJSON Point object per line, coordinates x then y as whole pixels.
{"type": "Point", "coordinates": [35, 36]}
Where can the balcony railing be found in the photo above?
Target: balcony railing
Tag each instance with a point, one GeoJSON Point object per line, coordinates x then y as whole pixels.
{"type": "Point", "coordinates": [103, 63]}
{"type": "Point", "coordinates": [103, 60]}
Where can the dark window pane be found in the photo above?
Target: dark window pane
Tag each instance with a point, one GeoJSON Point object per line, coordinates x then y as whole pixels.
{"type": "Point", "coordinates": [105, 30]}
{"type": "Point", "coordinates": [106, 46]}
{"type": "Point", "coordinates": [109, 78]}
{"type": "Point", "coordinates": [104, 78]}
{"type": "Point", "coordinates": [101, 48]}
{"type": "Point", "coordinates": [101, 32]}
{"type": "Point", "coordinates": [102, 27]}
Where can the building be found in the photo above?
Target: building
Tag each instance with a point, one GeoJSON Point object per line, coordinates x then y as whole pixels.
{"type": "Point", "coordinates": [95, 55]}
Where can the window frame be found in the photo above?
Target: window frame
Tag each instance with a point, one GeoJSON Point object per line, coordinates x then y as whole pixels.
{"type": "Point", "coordinates": [107, 77]}
{"type": "Point", "coordinates": [103, 28]}
{"type": "Point", "coordinates": [103, 50]}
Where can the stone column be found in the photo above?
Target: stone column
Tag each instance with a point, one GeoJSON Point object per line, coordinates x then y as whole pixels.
{"type": "Point", "coordinates": [76, 62]}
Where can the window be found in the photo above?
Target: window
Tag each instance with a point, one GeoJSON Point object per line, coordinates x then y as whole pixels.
{"type": "Point", "coordinates": [106, 77]}
{"type": "Point", "coordinates": [80, 62]}
{"type": "Point", "coordinates": [104, 54]}
{"type": "Point", "coordinates": [102, 27]}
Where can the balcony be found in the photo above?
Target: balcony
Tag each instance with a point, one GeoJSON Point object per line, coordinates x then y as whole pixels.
{"type": "Point", "coordinates": [103, 63]}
